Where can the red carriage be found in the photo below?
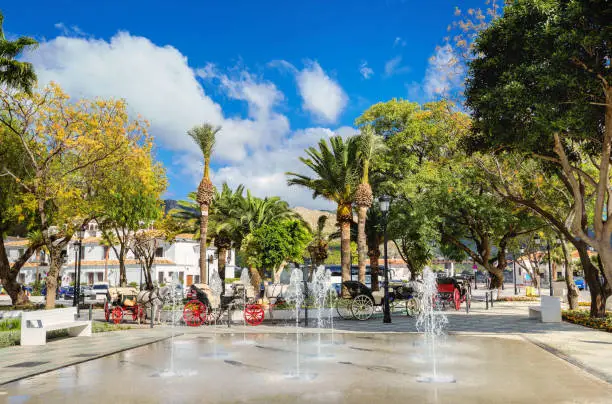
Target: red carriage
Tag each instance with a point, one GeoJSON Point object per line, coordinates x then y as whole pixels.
{"type": "Point", "coordinates": [121, 302]}
{"type": "Point", "coordinates": [202, 306]}
{"type": "Point", "coordinates": [453, 292]}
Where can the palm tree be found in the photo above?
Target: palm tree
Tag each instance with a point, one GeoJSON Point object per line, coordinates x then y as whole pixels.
{"type": "Point", "coordinates": [15, 74]}
{"type": "Point", "coordinates": [370, 145]}
{"type": "Point", "coordinates": [204, 136]}
{"type": "Point", "coordinates": [337, 174]}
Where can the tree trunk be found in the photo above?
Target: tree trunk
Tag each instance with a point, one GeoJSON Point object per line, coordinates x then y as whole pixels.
{"type": "Point", "coordinates": [362, 245]}
{"type": "Point", "coordinates": [255, 279]}
{"type": "Point", "coordinates": [345, 251]}
{"type": "Point", "coordinates": [572, 290]}
{"type": "Point", "coordinates": [122, 269]}
{"type": "Point", "coordinates": [374, 256]}
{"type": "Point", "coordinates": [55, 265]}
{"type": "Point", "coordinates": [8, 278]}
{"type": "Point", "coordinates": [203, 231]}
{"type": "Point", "coordinates": [599, 294]}
{"type": "Point", "coordinates": [279, 271]}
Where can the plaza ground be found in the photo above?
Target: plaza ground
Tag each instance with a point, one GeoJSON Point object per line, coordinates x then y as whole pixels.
{"type": "Point", "coordinates": [528, 351]}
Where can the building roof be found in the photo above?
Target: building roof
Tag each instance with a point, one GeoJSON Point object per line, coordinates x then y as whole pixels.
{"type": "Point", "coordinates": [185, 236]}
{"type": "Point", "coordinates": [17, 242]}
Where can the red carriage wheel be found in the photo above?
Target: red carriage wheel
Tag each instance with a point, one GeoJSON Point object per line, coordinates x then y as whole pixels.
{"type": "Point", "coordinates": [194, 313]}
{"type": "Point", "coordinates": [106, 311]}
{"type": "Point", "coordinates": [457, 299]}
{"type": "Point", "coordinates": [138, 313]}
{"type": "Point", "coordinates": [117, 315]}
{"type": "Point", "coordinates": [253, 314]}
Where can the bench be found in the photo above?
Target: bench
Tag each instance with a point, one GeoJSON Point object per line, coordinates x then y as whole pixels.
{"type": "Point", "coordinates": [35, 324]}
{"type": "Point", "coordinates": [549, 310]}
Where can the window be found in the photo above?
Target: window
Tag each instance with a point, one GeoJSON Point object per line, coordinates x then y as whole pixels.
{"type": "Point", "coordinates": [160, 277]}
{"type": "Point", "coordinates": [159, 252]}
{"type": "Point", "coordinates": [100, 276]}
{"type": "Point", "coordinates": [105, 250]}
{"type": "Point", "coordinates": [82, 252]}
{"type": "Point", "coordinates": [171, 275]}
{"type": "Point", "coordinates": [181, 276]}
{"type": "Point", "coordinates": [196, 279]}
{"type": "Point", "coordinates": [22, 278]}
{"type": "Point", "coordinates": [20, 252]}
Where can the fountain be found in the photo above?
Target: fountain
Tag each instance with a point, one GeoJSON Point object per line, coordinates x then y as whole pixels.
{"type": "Point", "coordinates": [295, 294]}
{"type": "Point", "coordinates": [216, 287]}
{"type": "Point", "coordinates": [431, 322]}
{"type": "Point", "coordinates": [320, 287]}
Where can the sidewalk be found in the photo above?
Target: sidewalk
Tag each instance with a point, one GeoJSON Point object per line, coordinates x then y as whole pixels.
{"type": "Point", "coordinates": [18, 362]}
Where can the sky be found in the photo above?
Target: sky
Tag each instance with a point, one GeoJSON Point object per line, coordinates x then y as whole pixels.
{"type": "Point", "coordinates": [276, 75]}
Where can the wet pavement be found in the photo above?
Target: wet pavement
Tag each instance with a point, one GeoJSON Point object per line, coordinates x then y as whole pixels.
{"type": "Point", "coordinates": [353, 368]}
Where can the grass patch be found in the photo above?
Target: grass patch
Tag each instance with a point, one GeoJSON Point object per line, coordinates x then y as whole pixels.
{"type": "Point", "coordinates": [98, 326]}
{"type": "Point", "coordinates": [582, 317]}
{"type": "Point", "coordinates": [518, 299]}
{"type": "Point", "coordinates": [10, 324]}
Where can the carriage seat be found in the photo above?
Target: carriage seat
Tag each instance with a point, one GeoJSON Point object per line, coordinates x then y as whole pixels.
{"type": "Point", "coordinates": [378, 296]}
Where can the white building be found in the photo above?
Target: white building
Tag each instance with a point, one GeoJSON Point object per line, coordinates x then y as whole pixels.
{"type": "Point", "coordinates": [99, 263]}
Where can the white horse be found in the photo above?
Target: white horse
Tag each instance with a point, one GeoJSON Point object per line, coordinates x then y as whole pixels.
{"type": "Point", "coordinates": [156, 298]}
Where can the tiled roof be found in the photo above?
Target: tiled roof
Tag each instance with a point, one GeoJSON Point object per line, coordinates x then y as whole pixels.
{"type": "Point", "coordinates": [186, 236]}
{"type": "Point", "coordinates": [17, 243]}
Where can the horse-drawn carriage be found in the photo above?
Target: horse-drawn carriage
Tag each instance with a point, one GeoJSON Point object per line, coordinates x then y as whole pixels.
{"type": "Point", "coordinates": [203, 306]}
{"type": "Point", "coordinates": [454, 291]}
{"type": "Point", "coordinates": [121, 302]}
{"type": "Point", "coordinates": [361, 300]}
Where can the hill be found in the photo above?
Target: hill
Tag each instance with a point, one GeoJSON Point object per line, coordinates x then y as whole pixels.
{"type": "Point", "coordinates": [311, 217]}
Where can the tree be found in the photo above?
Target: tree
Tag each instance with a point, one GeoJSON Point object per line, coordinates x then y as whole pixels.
{"type": "Point", "coordinates": [370, 146]}
{"type": "Point", "coordinates": [13, 73]}
{"type": "Point", "coordinates": [541, 85]}
{"type": "Point", "coordinates": [273, 245]}
{"type": "Point", "coordinates": [204, 136]}
{"type": "Point", "coordinates": [336, 172]}
{"type": "Point", "coordinates": [413, 231]}
{"type": "Point", "coordinates": [317, 249]}
{"type": "Point", "coordinates": [68, 148]}
{"type": "Point", "coordinates": [130, 200]}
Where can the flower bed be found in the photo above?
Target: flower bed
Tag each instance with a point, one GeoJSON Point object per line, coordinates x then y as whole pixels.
{"type": "Point", "coordinates": [584, 304]}
{"type": "Point", "coordinates": [581, 317]}
{"type": "Point", "coordinates": [518, 299]}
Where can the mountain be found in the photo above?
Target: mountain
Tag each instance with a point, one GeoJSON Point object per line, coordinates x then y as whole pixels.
{"type": "Point", "coordinates": [311, 217]}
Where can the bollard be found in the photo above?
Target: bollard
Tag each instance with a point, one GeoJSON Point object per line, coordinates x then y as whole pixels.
{"type": "Point", "coordinates": [487, 299]}
{"type": "Point", "coordinates": [152, 315]}
{"type": "Point", "coordinates": [491, 299]}
{"type": "Point", "coordinates": [90, 311]}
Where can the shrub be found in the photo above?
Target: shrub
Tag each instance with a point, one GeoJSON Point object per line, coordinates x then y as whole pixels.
{"type": "Point", "coordinates": [582, 317]}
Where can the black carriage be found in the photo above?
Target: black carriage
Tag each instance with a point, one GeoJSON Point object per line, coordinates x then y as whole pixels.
{"type": "Point", "coordinates": [359, 301]}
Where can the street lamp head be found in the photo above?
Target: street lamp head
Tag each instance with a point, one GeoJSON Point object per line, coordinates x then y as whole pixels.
{"type": "Point", "coordinates": [384, 202]}
{"type": "Point", "coordinates": [81, 233]}
{"type": "Point", "coordinates": [537, 239]}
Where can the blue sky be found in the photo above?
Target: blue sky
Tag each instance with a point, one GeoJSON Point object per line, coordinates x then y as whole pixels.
{"type": "Point", "coordinates": [277, 75]}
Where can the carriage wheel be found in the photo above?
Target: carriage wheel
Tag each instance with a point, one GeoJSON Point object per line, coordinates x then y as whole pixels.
{"type": "Point", "coordinates": [106, 311]}
{"type": "Point", "coordinates": [457, 299]}
{"type": "Point", "coordinates": [343, 307]}
{"type": "Point", "coordinates": [412, 307]}
{"type": "Point", "coordinates": [253, 314]}
{"type": "Point", "coordinates": [194, 313]}
{"type": "Point", "coordinates": [116, 315]}
{"type": "Point", "coordinates": [362, 307]}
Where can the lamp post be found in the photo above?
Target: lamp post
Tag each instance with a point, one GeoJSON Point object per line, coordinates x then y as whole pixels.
{"type": "Point", "coordinates": [77, 283]}
{"type": "Point", "coordinates": [385, 201]}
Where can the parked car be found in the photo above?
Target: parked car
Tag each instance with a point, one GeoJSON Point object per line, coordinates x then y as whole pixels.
{"type": "Point", "coordinates": [66, 292]}
{"type": "Point", "coordinates": [88, 292]}
{"type": "Point", "coordinates": [579, 281]}
{"type": "Point", "coordinates": [100, 290]}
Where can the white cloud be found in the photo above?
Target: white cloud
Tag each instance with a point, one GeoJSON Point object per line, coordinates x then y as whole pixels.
{"type": "Point", "coordinates": [365, 70]}
{"type": "Point", "coordinates": [158, 84]}
{"type": "Point", "coordinates": [264, 172]}
{"type": "Point", "coordinates": [394, 67]}
{"type": "Point", "coordinates": [444, 74]}
{"type": "Point", "coordinates": [321, 95]}
{"type": "Point", "coordinates": [399, 42]}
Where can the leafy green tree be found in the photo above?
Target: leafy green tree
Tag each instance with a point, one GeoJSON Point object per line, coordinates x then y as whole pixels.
{"type": "Point", "coordinates": [272, 246]}
{"type": "Point", "coordinates": [336, 167]}
{"type": "Point", "coordinates": [541, 85]}
{"type": "Point", "coordinates": [13, 73]}
{"type": "Point", "coordinates": [204, 136]}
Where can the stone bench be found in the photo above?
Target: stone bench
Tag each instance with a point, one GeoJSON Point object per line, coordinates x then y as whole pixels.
{"type": "Point", "coordinates": [549, 310]}
{"type": "Point", "coordinates": [36, 324]}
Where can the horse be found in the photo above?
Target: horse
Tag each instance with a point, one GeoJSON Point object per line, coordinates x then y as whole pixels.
{"type": "Point", "coordinates": [156, 298]}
